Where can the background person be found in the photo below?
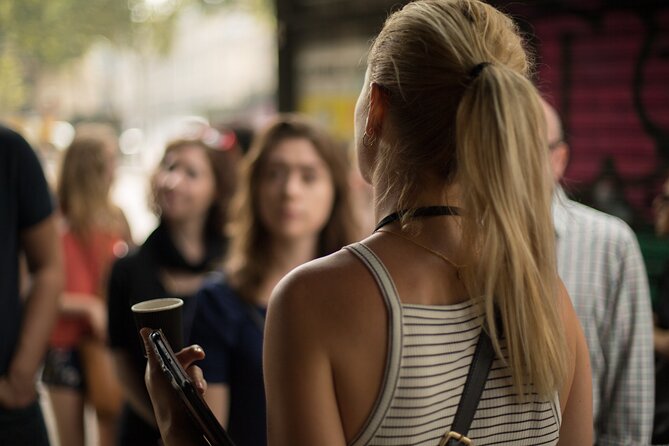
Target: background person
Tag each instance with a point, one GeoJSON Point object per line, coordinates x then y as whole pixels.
{"type": "Point", "coordinates": [94, 232]}
{"type": "Point", "coordinates": [293, 206]}
{"type": "Point", "coordinates": [28, 228]}
{"type": "Point", "coordinates": [601, 265]}
{"type": "Point", "coordinates": [191, 188]}
{"type": "Point", "coordinates": [661, 328]}
{"type": "Point", "coordinates": [371, 345]}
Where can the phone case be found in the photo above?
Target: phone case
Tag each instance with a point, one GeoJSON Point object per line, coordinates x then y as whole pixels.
{"type": "Point", "coordinates": [211, 429]}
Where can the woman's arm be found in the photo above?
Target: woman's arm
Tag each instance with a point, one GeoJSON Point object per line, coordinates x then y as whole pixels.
{"type": "Point", "coordinates": [301, 400]}
{"type": "Point", "coordinates": [133, 385]}
{"type": "Point", "coordinates": [218, 400]}
{"type": "Point", "coordinates": [123, 339]}
{"type": "Point", "coordinates": [41, 245]}
{"type": "Point", "coordinates": [576, 395]}
{"type": "Point", "coordinates": [90, 307]}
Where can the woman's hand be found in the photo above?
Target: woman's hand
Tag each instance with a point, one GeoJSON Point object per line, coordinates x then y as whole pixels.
{"type": "Point", "coordinates": [176, 426]}
{"type": "Point", "coordinates": [17, 391]}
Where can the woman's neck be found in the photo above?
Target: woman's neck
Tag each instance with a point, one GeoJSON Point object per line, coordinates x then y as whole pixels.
{"type": "Point", "coordinates": [429, 194]}
{"type": "Point", "coordinates": [188, 239]}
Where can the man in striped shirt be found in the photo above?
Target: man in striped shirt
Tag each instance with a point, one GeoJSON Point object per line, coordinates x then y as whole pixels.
{"type": "Point", "coordinates": [601, 265]}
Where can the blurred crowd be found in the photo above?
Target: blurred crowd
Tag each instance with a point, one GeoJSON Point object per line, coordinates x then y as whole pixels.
{"type": "Point", "coordinates": [233, 219]}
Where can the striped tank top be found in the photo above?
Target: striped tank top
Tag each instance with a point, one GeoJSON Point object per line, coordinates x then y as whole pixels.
{"type": "Point", "coordinates": [430, 350]}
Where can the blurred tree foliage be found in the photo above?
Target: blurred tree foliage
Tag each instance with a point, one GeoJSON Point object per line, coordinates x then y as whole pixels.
{"type": "Point", "coordinates": [54, 31]}
{"type": "Point", "coordinates": [38, 34]}
{"type": "Point", "coordinates": [12, 90]}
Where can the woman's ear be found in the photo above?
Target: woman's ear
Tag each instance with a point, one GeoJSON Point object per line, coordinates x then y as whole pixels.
{"type": "Point", "coordinates": [378, 104]}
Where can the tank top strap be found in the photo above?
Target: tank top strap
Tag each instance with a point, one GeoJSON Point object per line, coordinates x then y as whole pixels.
{"type": "Point", "coordinates": [394, 347]}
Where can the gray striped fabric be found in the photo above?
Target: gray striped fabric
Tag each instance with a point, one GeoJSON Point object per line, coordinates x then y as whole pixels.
{"type": "Point", "coordinates": [417, 406]}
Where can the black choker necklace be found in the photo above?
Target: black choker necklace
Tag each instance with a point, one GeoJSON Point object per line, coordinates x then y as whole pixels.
{"type": "Point", "coordinates": [428, 211]}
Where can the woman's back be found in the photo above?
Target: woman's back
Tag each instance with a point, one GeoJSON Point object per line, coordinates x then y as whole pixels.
{"type": "Point", "coordinates": [426, 368]}
{"type": "Point", "coordinates": [345, 365]}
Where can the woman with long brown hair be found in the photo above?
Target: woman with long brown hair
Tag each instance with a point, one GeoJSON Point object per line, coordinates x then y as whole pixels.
{"type": "Point", "coordinates": [293, 205]}
{"type": "Point", "coordinates": [94, 233]}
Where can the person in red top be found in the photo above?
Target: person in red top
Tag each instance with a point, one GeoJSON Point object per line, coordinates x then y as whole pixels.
{"type": "Point", "coordinates": [94, 232]}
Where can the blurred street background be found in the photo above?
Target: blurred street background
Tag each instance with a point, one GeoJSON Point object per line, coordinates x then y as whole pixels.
{"type": "Point", "coordinates": [151, 68]}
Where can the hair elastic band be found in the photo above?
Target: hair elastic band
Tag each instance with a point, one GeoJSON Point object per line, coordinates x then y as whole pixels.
{"type": "Point", "coordinates": [474, 73]}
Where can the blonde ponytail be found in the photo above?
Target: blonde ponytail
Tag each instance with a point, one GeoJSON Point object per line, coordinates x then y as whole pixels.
{"type": "Point", "coordinates": [503, 166]}
{"type": "Point", "coordinates": [485, 133]}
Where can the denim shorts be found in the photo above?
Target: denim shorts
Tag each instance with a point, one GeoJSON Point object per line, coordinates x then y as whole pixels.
{"type": "Point", "coordinates": [62, 368]}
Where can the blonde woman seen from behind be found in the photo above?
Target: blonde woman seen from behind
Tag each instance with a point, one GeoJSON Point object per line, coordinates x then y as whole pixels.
{"type": "Point", "coordinates": [446, 117]}
{"type": "Point", "coordinates": [372, 345]}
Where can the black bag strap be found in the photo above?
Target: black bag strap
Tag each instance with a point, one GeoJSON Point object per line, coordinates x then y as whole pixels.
{"type": "Point", "coordinates": [469, 401]}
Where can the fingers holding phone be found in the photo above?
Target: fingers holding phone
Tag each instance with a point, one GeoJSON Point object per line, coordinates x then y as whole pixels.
{"type": "Point", "coordinates": [176, 426]}
{"type": "Point", "coordinates": [189, 388]}
{"type": "Point", "coordinates": [187, 357]}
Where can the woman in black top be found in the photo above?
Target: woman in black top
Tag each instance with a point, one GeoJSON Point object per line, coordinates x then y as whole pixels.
{"type": "Point", "coordinates": [191, 188]}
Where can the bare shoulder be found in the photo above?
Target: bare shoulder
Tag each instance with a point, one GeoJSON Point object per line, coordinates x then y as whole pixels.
{"type": "Point", "coordinates": [320, 281]}
{"type": "Point", "coordinates": [321, 273]}
{"type": "Point", "coordinates": [327, 295]}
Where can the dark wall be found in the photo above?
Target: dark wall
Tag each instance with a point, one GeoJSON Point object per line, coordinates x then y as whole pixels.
{"type": "Point", "coordinates": [303, 21]}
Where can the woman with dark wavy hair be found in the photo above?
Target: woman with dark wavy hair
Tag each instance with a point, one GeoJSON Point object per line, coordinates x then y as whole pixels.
{"type": "Point", "coordinates": [190, 190]}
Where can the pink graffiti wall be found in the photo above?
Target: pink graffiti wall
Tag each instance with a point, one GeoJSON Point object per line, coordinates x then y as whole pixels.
{"type": "Point", "coordinates": [606, 70]}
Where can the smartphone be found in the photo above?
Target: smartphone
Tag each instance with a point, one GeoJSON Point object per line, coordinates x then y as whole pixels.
{"type": "Point", "coordinates": [211, 429]}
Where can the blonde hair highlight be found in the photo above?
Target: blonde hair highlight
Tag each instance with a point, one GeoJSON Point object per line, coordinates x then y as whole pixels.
{"type": "Point", "coordinates": [84, 183]}
{"type": "Point", "coordinates": [487, 134]}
